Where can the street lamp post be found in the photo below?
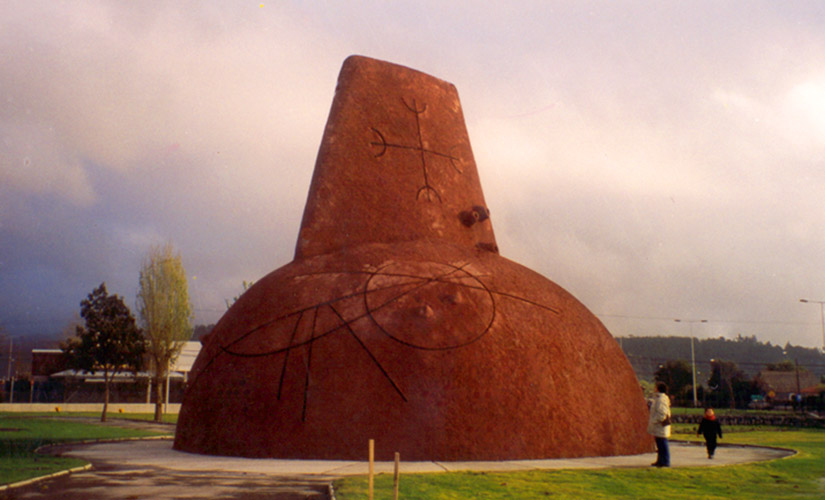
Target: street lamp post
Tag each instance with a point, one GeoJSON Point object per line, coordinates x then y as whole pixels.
{"type": "Point", "coordinates": [692, 354]}
{"type": "Point", "coordinates": [821, 315]}
{"type": "Point", "coordinates": [11, 371]}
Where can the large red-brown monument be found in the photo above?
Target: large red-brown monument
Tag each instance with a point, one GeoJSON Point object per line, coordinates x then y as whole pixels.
{"type": "Point", "coordinates": [399, 321]}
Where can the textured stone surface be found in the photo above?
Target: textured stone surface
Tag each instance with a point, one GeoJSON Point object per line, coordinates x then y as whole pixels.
{"type": "Point", "coordinates": [395, 164]}
{"type": "Point", "coordinates": [398, 321]}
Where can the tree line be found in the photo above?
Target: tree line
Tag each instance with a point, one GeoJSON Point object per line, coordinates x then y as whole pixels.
{"type": "Point", "coordinates": [112, 341]}
{"type": "Point", "coordinates": [726, 369]}
{"type": "Point", "coordinates": [751, 355]}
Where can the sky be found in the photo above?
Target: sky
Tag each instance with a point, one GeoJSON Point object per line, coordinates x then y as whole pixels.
{"type": "Point", "coordinates": [659, 160]}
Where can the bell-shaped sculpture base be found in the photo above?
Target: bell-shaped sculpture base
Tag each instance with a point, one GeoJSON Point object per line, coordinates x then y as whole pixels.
{"type": "Point", "coordinates": [432, 350]}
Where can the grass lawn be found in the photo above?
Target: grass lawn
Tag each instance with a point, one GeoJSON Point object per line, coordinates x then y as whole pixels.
{"type": "Point", "coordinates": [798, 477]}
{"type": "Point", "coordinates": [21, 434]}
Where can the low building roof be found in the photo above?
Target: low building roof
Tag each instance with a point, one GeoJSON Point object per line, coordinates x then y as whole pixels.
{"type": "Point", "coordinates": [814, 389]}
{"type": "Point", "coordinates": [97, 376]}
{"type": "Point", "coordinates": [782, 382]}
{"type": "Point", "coordinates": [187, 357]}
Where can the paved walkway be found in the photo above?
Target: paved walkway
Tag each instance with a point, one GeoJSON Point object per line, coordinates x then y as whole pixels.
{"type": "Point", "coordinates": [160, 453]}
{"type": "Point", "coordinates": [152, 469]}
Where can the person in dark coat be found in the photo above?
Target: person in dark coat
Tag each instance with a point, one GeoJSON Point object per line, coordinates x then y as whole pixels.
{"type": "Point", "coordinates": [710, 428]}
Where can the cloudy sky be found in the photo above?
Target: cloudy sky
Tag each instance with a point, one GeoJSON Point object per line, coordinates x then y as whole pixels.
{"type": "Point", "coordinates": [659, 160]}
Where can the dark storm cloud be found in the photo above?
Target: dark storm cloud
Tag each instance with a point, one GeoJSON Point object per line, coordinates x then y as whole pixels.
{"type": "Point", "coordinates": [658, 160]}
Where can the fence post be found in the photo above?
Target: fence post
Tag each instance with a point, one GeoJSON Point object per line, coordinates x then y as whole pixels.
{"type": "Point", "coordinates": [395, 478]}
{"type": "Point", "coordinates": [372, 467]}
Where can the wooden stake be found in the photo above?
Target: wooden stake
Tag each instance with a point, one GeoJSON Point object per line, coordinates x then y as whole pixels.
{"type": "Point", "coordinates": [372, 466]}
{"type": "Point", "coordinates": [395, 478]}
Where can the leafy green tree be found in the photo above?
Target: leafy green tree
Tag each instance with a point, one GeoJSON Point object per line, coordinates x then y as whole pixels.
{"type": "Point", "coordinates": [729, 385]}
{"type": "Point", "coordinates": [783, 366]}
{"type": "Point", "coordinates": [165, 312]}
{"type": "Point", "coordinates": [109, 342]}
{"type": "Point", "coordinates": [679, 378]}
{"type": "Point", "coordinates": [648, 388]}
{"type": "Point", "coordinates": [246, 286]}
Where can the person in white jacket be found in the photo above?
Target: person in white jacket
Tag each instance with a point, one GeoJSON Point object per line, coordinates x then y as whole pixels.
{"type": "Point", "coordinates": [659, 411]}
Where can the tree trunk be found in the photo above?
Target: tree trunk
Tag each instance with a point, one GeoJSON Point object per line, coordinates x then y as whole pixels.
{"type": "Point", "coordinates": [106, 380]}
{"type": "Point", "coordinates": [158, 396]}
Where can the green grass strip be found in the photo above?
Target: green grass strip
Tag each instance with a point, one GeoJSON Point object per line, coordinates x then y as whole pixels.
{"type": "Point", "coordinates": [21, 435]}
{"type": "Point", "coordinates": [801, 476]}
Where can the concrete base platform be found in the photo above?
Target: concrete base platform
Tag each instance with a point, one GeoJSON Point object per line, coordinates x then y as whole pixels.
{"type": "Point", "coordinates": [159, 453]}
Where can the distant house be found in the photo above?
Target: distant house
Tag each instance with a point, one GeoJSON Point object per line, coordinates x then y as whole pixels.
{"type": "Point", "coordinates": [781, 386]}
{"type": "Point", "coordinates": [45, 362]}
{"type": "Point", "coordinates": [814, 390]}
{"type": "Point", "coordinates": [55, 382]}
{"type": "Point", "coordinates": [190, 351]}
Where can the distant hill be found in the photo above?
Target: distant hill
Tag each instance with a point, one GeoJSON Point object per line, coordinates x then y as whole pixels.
{"type": "Point", "coordinates": [750, 355]}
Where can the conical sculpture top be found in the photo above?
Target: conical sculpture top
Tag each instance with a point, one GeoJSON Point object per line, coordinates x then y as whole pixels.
{"type": "Point", "coordinates": [395, 165]}
{"type": "Point", "coordinates": [398, 321]}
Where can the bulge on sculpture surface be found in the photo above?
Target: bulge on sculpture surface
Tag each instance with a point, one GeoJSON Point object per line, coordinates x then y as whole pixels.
{"type": "Point", "coordinates": [398, 321]}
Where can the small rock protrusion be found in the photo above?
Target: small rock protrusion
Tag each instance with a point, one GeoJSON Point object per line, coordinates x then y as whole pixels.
{"type": "Point", "coordinates": [475, 214]}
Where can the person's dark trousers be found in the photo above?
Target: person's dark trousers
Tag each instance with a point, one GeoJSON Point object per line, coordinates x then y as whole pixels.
{"type": "Point", "coordinates": [710, 443]}
{"type": "Point", "coordinates": [662, 453]}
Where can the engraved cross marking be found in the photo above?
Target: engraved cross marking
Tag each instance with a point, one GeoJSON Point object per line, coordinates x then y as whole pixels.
{"type": "Point", "coordinates": [381, 144]}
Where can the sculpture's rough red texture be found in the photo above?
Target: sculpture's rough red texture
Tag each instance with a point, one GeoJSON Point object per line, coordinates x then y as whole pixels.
{"type": "Point", "coordinates": [398, 321]}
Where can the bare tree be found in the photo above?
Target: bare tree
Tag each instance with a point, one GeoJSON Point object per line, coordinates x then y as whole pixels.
{"type": "Point", "coordinates": [165, 313]}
